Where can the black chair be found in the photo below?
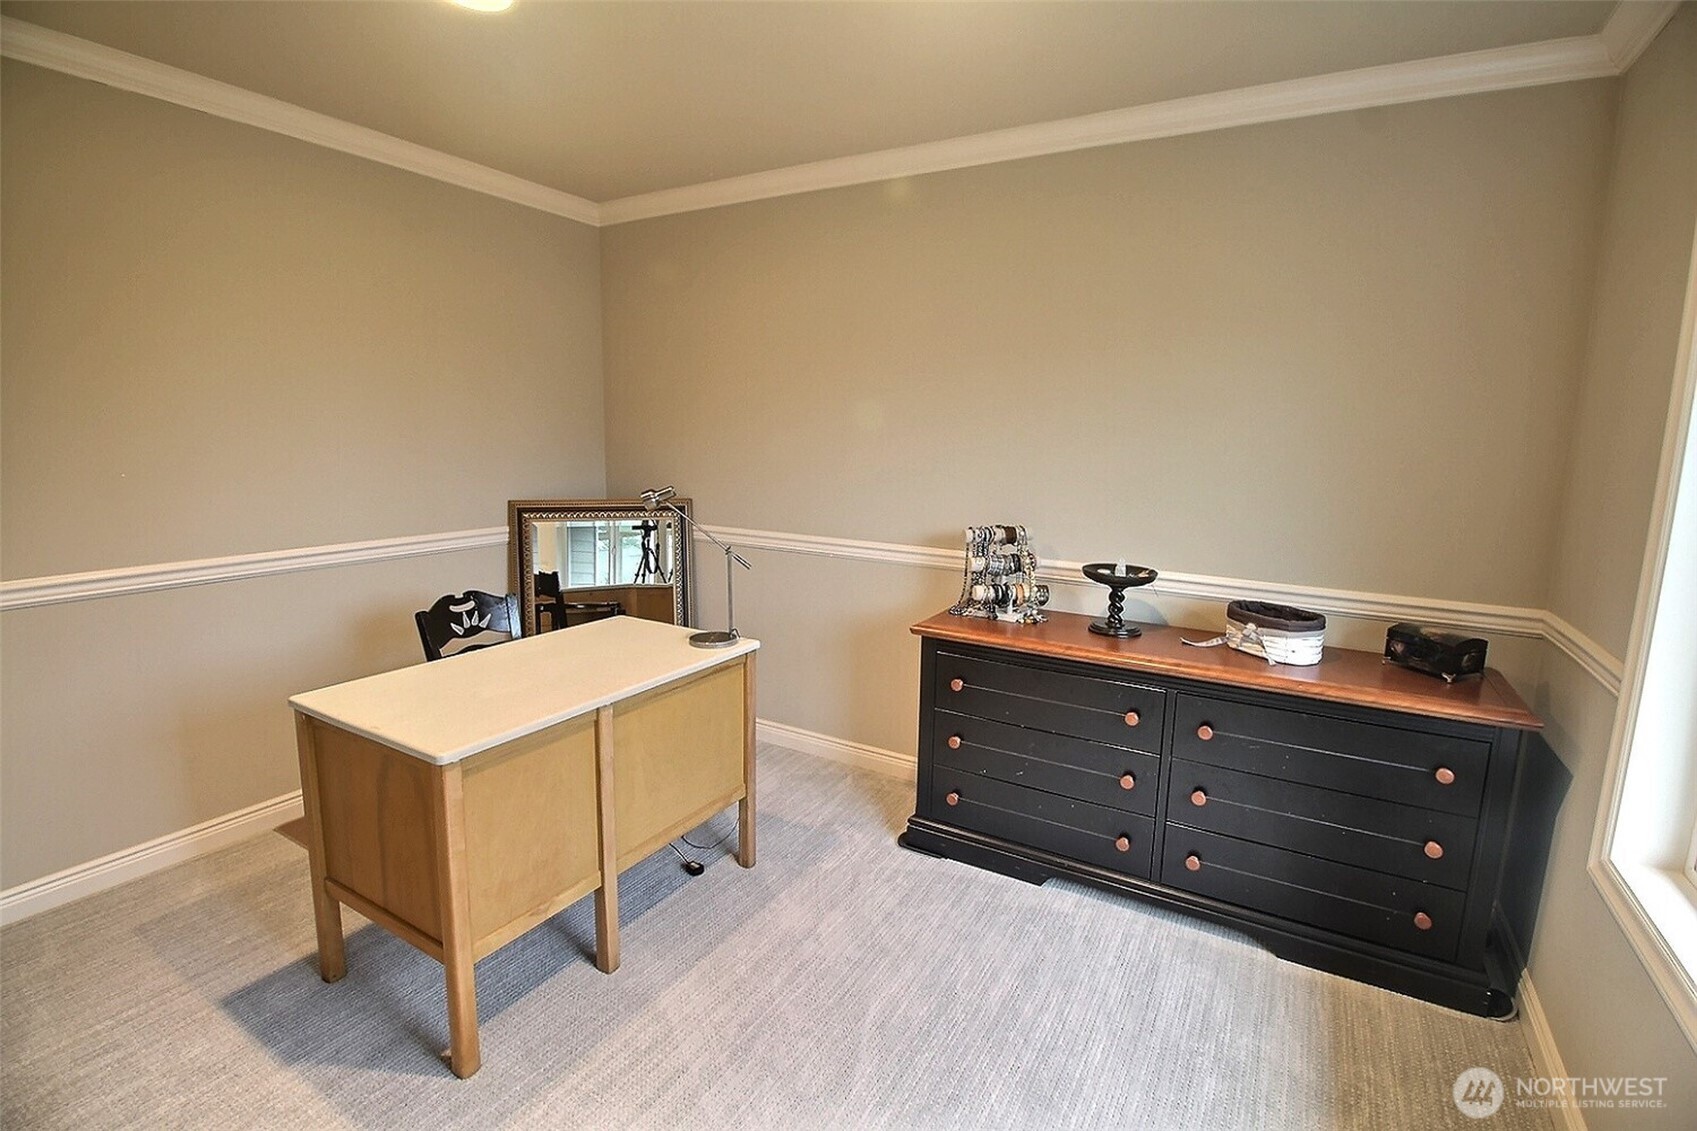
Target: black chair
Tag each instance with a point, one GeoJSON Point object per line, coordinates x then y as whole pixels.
{"type": "Point", "coordinates": [550, 599]}
{"type": "Point", "coordinates": [458, 618]}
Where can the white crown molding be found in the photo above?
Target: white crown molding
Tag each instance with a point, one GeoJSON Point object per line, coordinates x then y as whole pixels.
{"type": "Point", "coordinates": [1631, 27]}
{"type": "Point", "coordinates": [29, 43]}
{"type": "Point", "coordinates": [874, 758]}
{"type": "Point", "coordinates": [132, 863]}
{"type": "Point", "coordinates": [1474, 72]}
{"type": "Point", "coordinates": [32, 591]}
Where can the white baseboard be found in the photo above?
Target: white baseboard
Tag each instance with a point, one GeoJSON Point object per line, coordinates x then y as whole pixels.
{"type": "Point", "coordinates": [64, 887]}
{"type": "Point", "coordinates": [72, 884]}
{"type": "Point", "coordinates": [1546, 1057]}
{"type": "Point", "coordinates": [132, 863]}
{"type": "Point", "coordinates": [841, 750]}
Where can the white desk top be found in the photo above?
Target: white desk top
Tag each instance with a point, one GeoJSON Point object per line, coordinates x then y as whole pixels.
{"type": "Point", "coordinates": [454, 708]}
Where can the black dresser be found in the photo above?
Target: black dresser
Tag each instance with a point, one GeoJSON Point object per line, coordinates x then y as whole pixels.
{"type": "Point", "coordinates": [1351, 816]}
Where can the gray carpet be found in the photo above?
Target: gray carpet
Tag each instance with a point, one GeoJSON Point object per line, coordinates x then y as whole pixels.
{"type": "Point", "coordinates": [842, 983]}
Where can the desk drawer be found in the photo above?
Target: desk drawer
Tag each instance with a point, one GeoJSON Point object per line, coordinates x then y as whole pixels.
{"type": "Point", "coordinates": [1351, 901]}
{"type": "Point", "coordinates": [1062, 825]}
{"type": "Point", "coordinates": [1072, 767]}
{"type": "Point", "coordinates": [1104, 710]}
{"type": "Point", "coordinates": [1380, 835]}
{"type": "Point", "coordinates": [1408, 767]}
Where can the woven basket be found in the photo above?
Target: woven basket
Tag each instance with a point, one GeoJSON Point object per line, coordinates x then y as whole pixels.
{"type": "Point", "coordinates": [1279, 634]}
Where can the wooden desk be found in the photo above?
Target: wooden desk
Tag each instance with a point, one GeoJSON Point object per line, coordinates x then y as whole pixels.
{"type": "Point", "coordinates": [463, 802]}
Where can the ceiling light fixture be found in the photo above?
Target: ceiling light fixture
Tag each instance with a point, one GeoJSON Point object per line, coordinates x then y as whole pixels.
{"type": "Point", "coordinates": [484, 5]}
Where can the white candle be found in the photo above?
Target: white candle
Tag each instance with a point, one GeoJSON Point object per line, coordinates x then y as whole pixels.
{"type": "Point", "coordinates": [1119, 566]}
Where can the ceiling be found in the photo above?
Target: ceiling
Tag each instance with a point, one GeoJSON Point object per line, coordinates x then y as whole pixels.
{"type": "Point", "coordinates": [611, 100]}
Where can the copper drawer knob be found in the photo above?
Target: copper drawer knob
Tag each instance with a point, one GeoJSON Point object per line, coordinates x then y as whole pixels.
{"type": "Point", "coordinates": [954, 742]}
{"type": "Point", "coordinates": [1127, 781]}
{"type": "Point", "coordinates": [953, 799]}
{"type": "Point", "coordinates": [1445, 775]}
{"type": "Point", "coordinates": [1193, 862]}
{"type": "Point", "coordinates": [1204, 732]}
{"type": "Point", "coordinates": [1434, 850]}
{"type": "Point", "coordinates": [1123, 843]}
{"type": "Point", "coordinates": [1132, 718]}
{"type": "Point", "coordinates": [1422, 920]}
{"type": "Point", "coordinates": [956, 684]}
{"type": "Point", "coordinates": [1198, 798]}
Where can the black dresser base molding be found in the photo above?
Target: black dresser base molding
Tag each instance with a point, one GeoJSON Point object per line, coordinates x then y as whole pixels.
{"type": "Point", "coordinates": [1440, 986]}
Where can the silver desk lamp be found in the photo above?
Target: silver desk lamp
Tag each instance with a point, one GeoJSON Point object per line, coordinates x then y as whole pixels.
{"type": "Point", "coordinates": [654, 500]}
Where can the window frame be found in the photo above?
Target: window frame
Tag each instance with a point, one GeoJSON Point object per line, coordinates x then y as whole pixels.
{"type": "Point", "coordinates": [1656, 903]}
{"type": "Point", "coordinates": [1691, 862]}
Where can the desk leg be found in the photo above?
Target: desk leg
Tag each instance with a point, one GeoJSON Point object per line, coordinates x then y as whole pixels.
{"type": "Point", "coordinates": [326, 911]}
{"type": "Point", "coordinates": [745, 809]}
{"type": "Point", "coordinates": [607, 895]}
{"type": "Point", "coordinates": [454, 899]}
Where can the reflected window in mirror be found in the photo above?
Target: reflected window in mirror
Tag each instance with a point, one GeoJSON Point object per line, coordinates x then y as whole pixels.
{"type": "Point", "coordinates": [609, 550]}
{"type": "Point", "coordinates": [596, 552]}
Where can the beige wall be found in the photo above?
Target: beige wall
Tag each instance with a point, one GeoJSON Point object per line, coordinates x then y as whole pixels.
{"type": "Point", "coordinates": [1603, 1008]}
{"type": "Point", "coordinates": [1337, 351]}
{"type": "Point", "coordinates": [134, 717]}
{"type": "Point", "coordinates": [211, 331]}
{"type": "Point", "coordinates": [1065, 341]}
{"type": "Point", "coordinates": [218, 341]}
{"type": "Point", "coordinates": [1629, 360]}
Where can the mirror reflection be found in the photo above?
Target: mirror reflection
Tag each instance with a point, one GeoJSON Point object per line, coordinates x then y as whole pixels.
{"type": "Point", "coordinates": [573, 561]}
{"type": "Point", "coordinates": [598, 552]}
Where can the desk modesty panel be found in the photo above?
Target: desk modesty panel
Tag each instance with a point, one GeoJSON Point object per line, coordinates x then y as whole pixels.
{"type": "Point", "coordinates": [1352, 816]}
{"type": "Point", "coordinates": [461, 803]}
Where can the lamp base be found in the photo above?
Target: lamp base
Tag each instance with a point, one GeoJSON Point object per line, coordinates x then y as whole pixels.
{"type": "Point", "coordinates": [715, 639]}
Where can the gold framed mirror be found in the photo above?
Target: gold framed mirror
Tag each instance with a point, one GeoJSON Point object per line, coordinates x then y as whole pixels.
{"type": "Point", "coordinates": [573, 557]}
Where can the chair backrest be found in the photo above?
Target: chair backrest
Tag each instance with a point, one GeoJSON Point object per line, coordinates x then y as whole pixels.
{"type": "Point", "coordinates": [550, 602]}
{"type": "Point", "coordinates": [456, 618]}
{"type": "Point", "coordinates": [561, 613]}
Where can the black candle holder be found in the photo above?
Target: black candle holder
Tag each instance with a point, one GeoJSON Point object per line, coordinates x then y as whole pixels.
{"type": "Point", "coordinates": [1103, 574]}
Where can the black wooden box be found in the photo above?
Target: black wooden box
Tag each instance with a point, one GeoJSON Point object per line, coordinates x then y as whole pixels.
{"type": "Point", "coordinates": [1443, 654]}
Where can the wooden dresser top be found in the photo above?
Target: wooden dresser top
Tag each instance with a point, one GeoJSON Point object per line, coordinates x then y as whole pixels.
{"type": "Point", "coordinates": [1343, 675]}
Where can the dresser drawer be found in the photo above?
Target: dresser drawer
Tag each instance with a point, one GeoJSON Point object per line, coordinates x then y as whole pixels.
{"type": "Point", "coordinates": [1422, 844]}
{"type": "Point", "coordinates": [1076, 829]}
{"type": "Point", "coordinates": [1104, 710]}
{"type": "Point", "coordinates": [1351, 901]}
{"type": "Point", "coordinates": [1408, 767]}
{"type": "Point", "coordinates": [1054, 763]}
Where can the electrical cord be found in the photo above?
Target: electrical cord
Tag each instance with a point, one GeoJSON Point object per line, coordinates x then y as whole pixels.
{"type": "Point", "coordinates": [696, 867]}
{"type": "Point", "coordinates": [708, 847]}
{"type": "Point", "coordinates": [693, 867]}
